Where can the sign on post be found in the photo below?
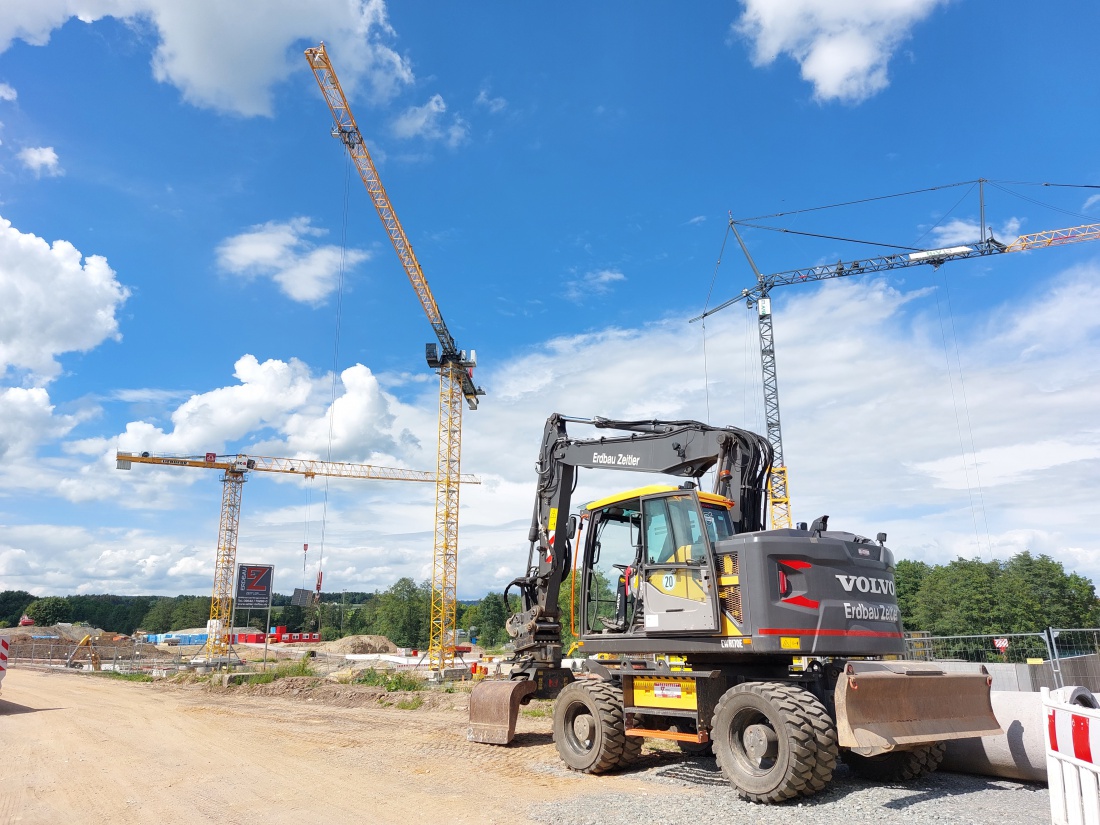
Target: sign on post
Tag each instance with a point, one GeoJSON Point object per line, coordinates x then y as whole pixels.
{"type": "Point", "coordinates": [254, 586]}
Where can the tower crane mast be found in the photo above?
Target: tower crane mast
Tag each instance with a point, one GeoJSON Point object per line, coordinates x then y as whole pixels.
{"type": "Point", "coordinates": [759, 297]}
{"type": "Point", "coordinates": [235, 470]}
{"type": "Point", "coordinates": [455, 368]}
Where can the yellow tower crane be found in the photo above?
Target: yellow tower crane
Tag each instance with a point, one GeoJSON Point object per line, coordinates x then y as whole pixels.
{"type": "Point", "coordinates": [236, 469]}
{"type": "Point", "coordinates": [455, 368]}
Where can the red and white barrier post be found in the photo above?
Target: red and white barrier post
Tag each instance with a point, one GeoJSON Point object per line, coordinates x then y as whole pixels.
{"type": "Point", "coordinates": [1073, 755]}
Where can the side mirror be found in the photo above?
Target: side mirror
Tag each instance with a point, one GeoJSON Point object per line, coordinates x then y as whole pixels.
{"type": "Point", "coordinates": [571, 528]}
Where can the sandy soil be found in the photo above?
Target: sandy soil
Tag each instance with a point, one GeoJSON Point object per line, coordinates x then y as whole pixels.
{"type": "Point", "coordinates": [81, 748]}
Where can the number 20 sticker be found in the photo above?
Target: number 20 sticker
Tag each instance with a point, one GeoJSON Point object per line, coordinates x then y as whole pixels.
{"type": "Point", "coordinates": [668, 582]}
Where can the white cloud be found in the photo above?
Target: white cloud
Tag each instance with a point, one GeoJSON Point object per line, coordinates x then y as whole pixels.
{"type": "Point", "coordinates": [51, 303]}
{"type": "Point", "coordinates": [842, 46]}
{"type": "Point", "coordinates": [7, 92]}
{"type": "Point", "coordinates": [276, 408]}
{"type": "Point", "coordinates": [426, 122]}
{"type": "Point", "coordinates": [960, 231]}
{"type": "Point", "coordinates": [42, 160]}
{"type": "Point", "coordinates": [597, 282]}
{"type": "Point", "coordinates": [871, 428]}
{"type": "Point", "coordinates": [267, 393]}
{"type": "Point", "coordinates": [493, 104]}
{"type": "Point", "coordinates": [1091, 202]}
{"type": "Point", "coordinates": [27, 421]}
{"type": "Point", "coordinates": [229, 56]}
{"type": "Point", "coordinates": [283, 252]}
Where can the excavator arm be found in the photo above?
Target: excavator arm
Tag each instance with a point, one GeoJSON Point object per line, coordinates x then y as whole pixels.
{"type": "Point", "coordinates": [684, 449]}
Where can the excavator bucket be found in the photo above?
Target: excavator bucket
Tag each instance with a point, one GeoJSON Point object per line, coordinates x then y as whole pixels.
{"type": "Point", "coordinates": [885, 706]}
{"type": "Point", "coordinates": [494, 708]}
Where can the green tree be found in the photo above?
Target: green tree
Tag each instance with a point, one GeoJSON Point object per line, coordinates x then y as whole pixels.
{"type": "Point", "coordinates": [50, 610]}
{"type": "Point", "coordinates": [1026, 594]}
{"type": "Point", "coordinates": [190, 612]}
{"type": "Point", "coordinates": [13, 604]}
{"type": "Point", "coordinates": [957, 599]}
{"type": "Point", "coordinates": [159, 617]}
{"type": "Point", "coordinates": [404, 613]}
{"type": "Point", "coordinates": [908, 578]}
{"type": "Point", "coordinates": [492, 614]}
{"type": "Point", "coordinates": [292, 617]}
{"type": "Point", "coordinates": [1032, 594]}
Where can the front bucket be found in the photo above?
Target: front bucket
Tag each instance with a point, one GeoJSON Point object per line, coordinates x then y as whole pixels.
{"type": "Point", "coordinates": [494, 708]}
{"type": "Point", "coordinates": [883, 706]}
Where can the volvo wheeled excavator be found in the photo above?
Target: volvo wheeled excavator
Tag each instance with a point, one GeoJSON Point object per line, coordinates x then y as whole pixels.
{"type": "Point", "coordinates": [777, 650]}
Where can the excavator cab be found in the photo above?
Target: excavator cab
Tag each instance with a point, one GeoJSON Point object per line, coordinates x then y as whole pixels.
{"type": "Point", "coordinates": [648, 561]}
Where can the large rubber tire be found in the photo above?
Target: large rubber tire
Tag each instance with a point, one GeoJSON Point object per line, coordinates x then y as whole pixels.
{"type": "Point", "coordinates": [828, 751]}
{"type": "Point", "coordinates": [588, 727]}
{"type": "Point", "coordinates": [767, 737]}
{"type": "Point", "coordinates": [898, 766]}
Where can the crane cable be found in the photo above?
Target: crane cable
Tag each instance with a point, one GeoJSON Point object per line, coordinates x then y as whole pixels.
{"type": "Point", "coordinates": [977, 499]}
{"type": "Point", "coordinates": [335, 364]}
{"type": "Point", "coordinates": [710, 292]}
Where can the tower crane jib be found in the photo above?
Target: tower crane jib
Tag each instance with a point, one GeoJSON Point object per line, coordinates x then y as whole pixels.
{"type": "Point", "coordinates": [759, 297]}
{"type": "Point", "coordinates": [235, 471]}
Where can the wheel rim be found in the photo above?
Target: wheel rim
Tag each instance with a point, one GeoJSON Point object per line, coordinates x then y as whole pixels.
{"type": "Point", "coordinates": [753, 742]}
{"type": "Point", "coordinates": [580, 728]}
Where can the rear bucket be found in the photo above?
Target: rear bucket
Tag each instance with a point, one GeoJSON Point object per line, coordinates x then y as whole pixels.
{"type": "Point", "coordinates": [884, 706]}
{"type": "Point", "coordinates": [494, 708]}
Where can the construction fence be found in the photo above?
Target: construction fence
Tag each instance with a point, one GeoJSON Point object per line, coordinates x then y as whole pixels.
{"type": "Point", "coordinates": [1028, 662]}
{"type": "Point", "coordinates": [121, 657]}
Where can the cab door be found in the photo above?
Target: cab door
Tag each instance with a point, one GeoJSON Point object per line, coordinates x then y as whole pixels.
{"type": "Point", "coordinates": [677, 585]}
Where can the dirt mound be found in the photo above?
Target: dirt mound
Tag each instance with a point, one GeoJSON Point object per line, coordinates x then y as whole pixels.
{"type": "Point", "coordinates": [321, 691]}
{"type": "Point", "coordinates": [361, 644]}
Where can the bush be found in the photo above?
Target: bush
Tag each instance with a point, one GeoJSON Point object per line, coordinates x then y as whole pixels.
{"type": "Point", "coordinates": [302, 667]}
{"type": "Point", "coordinates": [128, 677]}
{"type": "Point", "coordinates": [389, 681]}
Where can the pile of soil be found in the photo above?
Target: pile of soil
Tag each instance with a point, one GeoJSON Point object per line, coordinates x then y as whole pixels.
{"type": "Point", "coordinates": [314, 689]}
{"type": "Point", "coordinates": [361, 644]}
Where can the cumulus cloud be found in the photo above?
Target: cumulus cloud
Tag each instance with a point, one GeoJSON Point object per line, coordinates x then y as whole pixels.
{"type": "Point", "coordinates": [276, 408]}
{"type": "Point", "coordinates": [871, 414]}
{"type": "Point", "coordinates": [597, 282]}
{"type": "Point", "coordinates": [265, 395]}
{"type": "Point", "coordinates": [427, 122]}
{"type": "Point", "coordinates": [52, 301]}
{"type": "Point", "coordinates": [7, 92]}
{"type": "Point", "coordinates": [229, 56]}
{"type": "Point", "coordinates": [42, 160]}
{"type": "Point", "coordinates": [285, 253]}
{"type": "Point", "coordinates": [27, 420]}
{"type": "Point", "coordinates": [842, 46]}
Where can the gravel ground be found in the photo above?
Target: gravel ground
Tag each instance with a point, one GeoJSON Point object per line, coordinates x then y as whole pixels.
{"type": "Point", "coordinates": [704, 797]}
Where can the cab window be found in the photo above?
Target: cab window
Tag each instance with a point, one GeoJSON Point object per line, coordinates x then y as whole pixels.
{"type": "Point", "coordinates": [673, 530]}
{"type": "Point", "coordinates": [718, 522]}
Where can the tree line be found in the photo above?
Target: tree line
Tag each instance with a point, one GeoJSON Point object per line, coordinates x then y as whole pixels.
{"type": "Point", "coordinates": [1025, 594]}
{"type": "Point", "coordinates": [401, 613]}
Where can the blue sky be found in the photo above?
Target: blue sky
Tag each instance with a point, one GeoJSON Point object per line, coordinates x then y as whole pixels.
{"type": "Point", "coordinates": [179, 233]}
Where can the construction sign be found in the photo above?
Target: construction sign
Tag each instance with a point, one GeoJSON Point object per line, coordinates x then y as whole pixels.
{"type": "Point", "coordinates": [254, 586]}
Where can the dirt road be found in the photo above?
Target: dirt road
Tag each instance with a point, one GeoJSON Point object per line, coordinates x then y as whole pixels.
{"type": "Point", "coordinates": [78, 749]}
